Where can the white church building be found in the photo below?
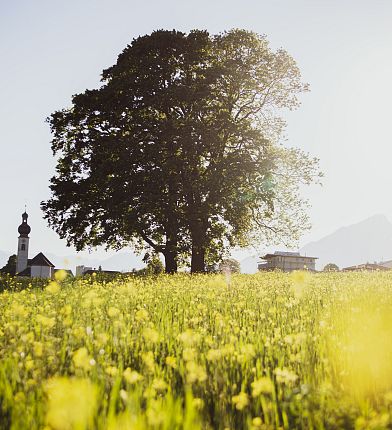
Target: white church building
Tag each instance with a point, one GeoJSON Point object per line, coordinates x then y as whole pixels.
{"type": "Point", "coordinates": [37, 267]}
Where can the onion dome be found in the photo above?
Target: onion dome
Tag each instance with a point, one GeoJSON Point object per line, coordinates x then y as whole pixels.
{"type": "Point", "coordinates": [24, 229]}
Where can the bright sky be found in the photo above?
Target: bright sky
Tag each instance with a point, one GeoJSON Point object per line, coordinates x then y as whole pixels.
{"type": "Point", "coordinates": [50, 50]}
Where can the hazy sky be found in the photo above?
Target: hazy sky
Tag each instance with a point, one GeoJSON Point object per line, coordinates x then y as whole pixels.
{"type": "Point", "coordinates": [50, 50]}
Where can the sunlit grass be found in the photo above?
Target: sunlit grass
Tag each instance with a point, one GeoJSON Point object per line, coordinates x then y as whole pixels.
{"type": "Point", "coordinates": [261, 351]}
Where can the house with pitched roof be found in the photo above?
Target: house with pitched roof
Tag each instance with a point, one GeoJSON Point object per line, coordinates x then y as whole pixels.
{"type": "Point", "coordinates": [287, 262]}
{"type": "Point", "coordinates": [37, 267]}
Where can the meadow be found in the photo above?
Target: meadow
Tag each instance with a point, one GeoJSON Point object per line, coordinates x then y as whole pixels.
{"type": "Point", "coordinates": [265, 351]}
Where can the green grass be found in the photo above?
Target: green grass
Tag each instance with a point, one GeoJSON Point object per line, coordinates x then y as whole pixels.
{"type": "Point", "coordinates": [263, 351]}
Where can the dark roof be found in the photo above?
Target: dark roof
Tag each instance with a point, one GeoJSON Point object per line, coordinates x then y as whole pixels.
{"type": "Point", "coordinates": [25, 272]}
{"type": "Point", "coordinates": [65, 270]}
{"type": "Point", "coordinates": [40, 260]}
{"type": "Point", "coordinates": [287, 255]}
{"type": "Point", "coordinates": [24, 229]}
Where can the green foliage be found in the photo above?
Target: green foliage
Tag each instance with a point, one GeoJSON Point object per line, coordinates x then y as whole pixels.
{"type": "Point", "coordinates": [230, 265]}
{"type": "Point", "coordinates": [10, 267]}
{"type": "Point", "coordinates": [331, 267]}
{"type": "Point", "coordinates": [154, 266]}
{"type": "Point", "coordinates": [178, 150]}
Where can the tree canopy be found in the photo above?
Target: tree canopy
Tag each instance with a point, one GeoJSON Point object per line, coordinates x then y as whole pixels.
{"type": "Point", "coordinates": [331, 267]}
{"type": "Point", "coordinates": [178, 150]}
{"type": "Point", "coordinates": [230, 265]}
{"type": "Point", "coordinates": [10, 267]}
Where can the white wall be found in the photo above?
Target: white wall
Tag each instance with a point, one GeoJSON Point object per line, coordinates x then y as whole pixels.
{"type": "Point", "coordinates": [41, 272]}
{"type": "Point", "coordinates": [23, 255]}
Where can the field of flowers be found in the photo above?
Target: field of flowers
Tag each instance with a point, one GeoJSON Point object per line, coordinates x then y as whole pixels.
{"type": "Point", "coordinates": [265, 351]}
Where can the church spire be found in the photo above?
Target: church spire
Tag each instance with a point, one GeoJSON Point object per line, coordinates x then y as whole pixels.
{"type": "Point", "coordinates": [24, 229]}
{"type": "Point", "coordinates": [23, 244]}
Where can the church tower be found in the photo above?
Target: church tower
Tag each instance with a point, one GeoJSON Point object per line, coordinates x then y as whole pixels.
{"type": "Point", "coordinates": [23, 244]}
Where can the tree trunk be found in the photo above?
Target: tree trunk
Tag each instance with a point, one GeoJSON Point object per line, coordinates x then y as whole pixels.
{"type": "Point", "coordinates": [170, 262]}
{"type": "Point", "coordinates": [198, 234]}
{"type": "Point", "coordinates": [198, 264]}
{"type": "Point", "coordinates": [171, 247]}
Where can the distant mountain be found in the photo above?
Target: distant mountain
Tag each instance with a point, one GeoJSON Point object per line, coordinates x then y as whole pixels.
{"type": "Point", "coordinates": [367, 241]}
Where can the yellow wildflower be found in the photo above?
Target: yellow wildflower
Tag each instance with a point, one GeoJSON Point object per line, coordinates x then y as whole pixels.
{"type": "Point", "coordinates": [131, 376]}
{"type": "Point", "coordinates": [60, 275]}
{"type": "Point", "coordinates": [53, 287]}
{"type": "Point", "coordinates": [171, 362]}
{"type": "Point", "coordinates": [81, 359]}
{"type": "Point", "coordinates": [241, 400]}
{"type": "Point", "coordinates": [263, 385]}
{"type": "Point", "coordinates": [72, 403]}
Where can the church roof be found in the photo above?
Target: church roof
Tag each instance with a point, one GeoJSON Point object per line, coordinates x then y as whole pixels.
{"type": "Point", "coordinates": [25, 272]}
{"type": "Point", "coordinates": [40, 260]}
{"type": "Point", "coordinates": [24, 229]}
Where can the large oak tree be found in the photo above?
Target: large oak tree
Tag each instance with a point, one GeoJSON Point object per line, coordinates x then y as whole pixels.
{"type": "Point", "coordinates": [178, 150]}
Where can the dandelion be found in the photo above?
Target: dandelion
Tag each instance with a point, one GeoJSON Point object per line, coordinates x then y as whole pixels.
{"type": "Point", "coordinates": [214, 354]}
{"type": "Point", "coordinates": [141, 315]}
{"type": "Point", "coordinates": [60, 275]}
{"type": "Point", "coordinates": [45, 321]}
{"type": "Point", "coordinates": [18, 311]}
{"type": "Point", "coordinates": [81, 359]}
{"type": "Point", "coordinates": [240, 401]}
{"type": "Point", "coordinates": [148, 360]}
{"type": "Point", "coordinates": [131, 376]}
{"type": "Point", "coordinates": [195, 372]}
{"type": "Point", "coordinates": [111, 370]}
{"type": "Point", "coordinates": [171, 362]}
{"type": "Point", "coordinates": [53, 287]}
{"type": "Point", "coordinates": [257, 422]}
{"type": "Point", "coordinates": [113, 312]}
{"type": "Point", "coordinates": [159, 384]}
{"type": "Point", "coordinates": [189, 337]}
{"type": "Point", "coordinates": [150, 335]}
{"type": "Point", "coordinates": [72, 403]}
{"type": "Point", "coordinates": [285, 376]}
{"type": "Point", "coordinates": [262, 385]}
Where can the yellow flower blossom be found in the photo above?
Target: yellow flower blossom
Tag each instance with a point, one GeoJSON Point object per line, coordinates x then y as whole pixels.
{"type": "Point", "coordinates": [171, 361]}
{"type": "Point", "coordinates": [72, 403]}
{"type": "Point", "coordinates": [262, 385]}
{"type": "Point", "coordinates": [81, 359]}
{"type": "Point", "coordinates": [53, 287]}
{"type": "Point", "coordinates": [45, 321]}
{"type": "Point", "coordinates": [131, 376]}
{"type": "Point", "coordinates": [150, 335]}
{"type": "Point", "coordinates": [142, 315]}
{"type": "Point", "coordinates": [113, 312]}
{"type": "Point", "coordinates": [241, 400]}
{"type": "Point", "coordinates": [60, 275]}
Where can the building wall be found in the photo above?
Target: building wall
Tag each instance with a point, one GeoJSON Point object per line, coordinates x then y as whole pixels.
{"type": "Point", "coordinates": [81, 269]}
{"type": "Point", "coordinates": [41, 272]}
{"type": "Point", "coordinates": [288, 264]}
{"type": "Point", "coordinates": [23, 254]}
